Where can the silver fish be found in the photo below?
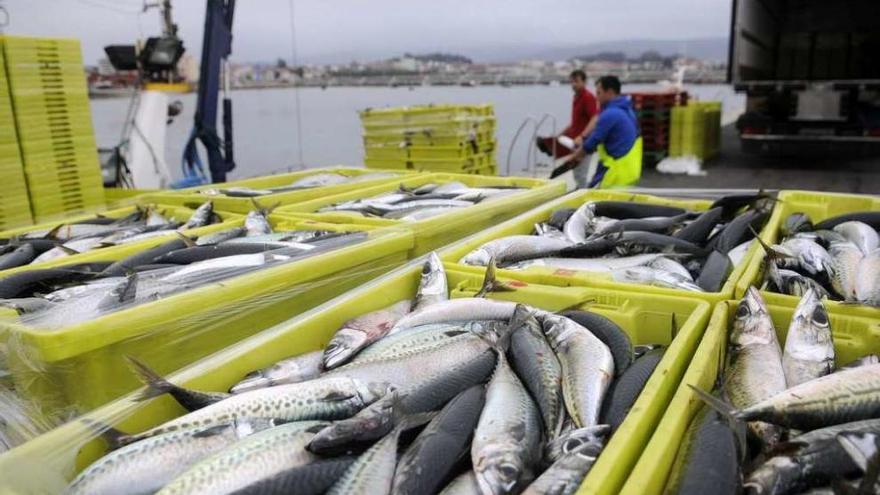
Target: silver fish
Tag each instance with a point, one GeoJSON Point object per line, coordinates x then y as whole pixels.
{"type": "Point", "coordinates": [845, 260]}
{"type": "Point", "coordinates": [809, 348]}
{"type": "Point", "coordinates": [319, 180]}
{"type": "Point", "coordinates": [738, 254]}
{"type": "Point", "coordinates": [360, 332]}
{"type": "Point", "coordinates": [512, 249]}
{"type": "Point", "coordinates": [199, 218]}
{"type": "Point", "coordinates": [565, 475]}
{"type": "Point", "coordinates": [78, 245]}
{"type": "Point", "coordinates": [432, 285]}
{"type": "Point", "coordinates": [255, 223]}
{"type": "Point", "coordinates": [754, 371]}
{"type": "Point", "coordinates": [587, 368]}
{"type": "Point", "coordinates": [297, 369]}
{"type": "Point", "coordinates": [576, 227]}
{"type": "Point", "coordinates": [506, 446]}
{"type": "Point", "coordinates": [421, 338]}
{"type": "Point", "coordinates": [670, 265]}
{"type": "Point", "coordinates": [325, 398]}
{"type": "Point", "coordinates": [652, 276]}
{"type": "Point", "coordinates": [806, 255]}
{"type": "Point", "coordinates": [254, 461]}
{"type": "Point", "coordinates": [220, 236]}
{"type": "Point", "coordinates": [601, 265]}
{"type": "Point", "coordinates": [146, 466]}
{"type": "Point", "coordinates": [864, 449]}
{"type": "Point", "coordinates": [369, 424]}
{"type": "Point", "coordinates": [867, 286]}
{"type": "Point", "coordinates": [793, 283]}
{"type": "Point", "coordinates": [464, 309]}
{"type": "Point", "coordinates": [860, 234]}
{"type": "Point", "coordinates": [373, 472]}
{"type": "Point", "coordinates": [465, 484]}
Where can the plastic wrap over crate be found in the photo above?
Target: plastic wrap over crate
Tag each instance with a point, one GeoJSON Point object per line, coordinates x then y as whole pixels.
{"type": "Point", "coordinates": [61, 453]}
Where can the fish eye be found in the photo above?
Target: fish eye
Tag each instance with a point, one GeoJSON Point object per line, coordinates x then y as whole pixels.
{"type": "Point", "coordinates": [742, 311]}
{"type": "Point", "coordinates": [509, 471]}
{"type": "Point", "coordinates": [820, 317]}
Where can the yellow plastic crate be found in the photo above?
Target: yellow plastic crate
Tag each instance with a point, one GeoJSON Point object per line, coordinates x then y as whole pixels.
{"type": "Point", "coordinates": [466, 150]}
{"type": "Point", "coordinates": [819, 206]}
{"type": "Point", "coordinates": [524, 224]}
{"type": "Point", "coordinates": [443, 126]}
{"type": "Point", "coordinates": [436, 232]}
{"type": "Point", "coordinates": [413, 114]}
{"type": "Point", "coordinates": [178, 213]}
{"type": "Point", "coordinates": [454, 165]}
{"type": "Point", "coordinates": [82, 366]}
{"type": "Point", "coordinates": [60, 453]}
{"type": "Point", "coordinates": [387, 152]}
{"type": "Point", "coordinates": [196, 195]}
{"type": "Point", "coordinates": [427, 138]}
{"type": "Point", "coordinates": [854, 336]}
{"type": "Point", "coordinates": [387, 163]}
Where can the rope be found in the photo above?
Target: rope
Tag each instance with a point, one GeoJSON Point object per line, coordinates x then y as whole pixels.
{"type": "Point", "coordinates": [294, 63]}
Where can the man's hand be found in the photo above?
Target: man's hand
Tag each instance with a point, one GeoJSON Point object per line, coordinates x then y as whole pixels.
{"type": "Point", "coordinates": [578, 141]}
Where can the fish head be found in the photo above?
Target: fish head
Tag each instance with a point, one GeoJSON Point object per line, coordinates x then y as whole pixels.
{"type": "Point", "coordinates": [863, 448]}
{"type": "Point", "coordinates": [810, 311]}
{"type": "Point", "coordinates": [752, 305]}
{"type": "Point", "coordinates": [477, 257]}
{"type": "Point", "coordinates": [752, 323]}
{"type": "Point", "coordinates": [433, 280]}
{"type": "Point", "coordinates": [777, 475]}
{"type": "Point", "coordinates": [499, 469]}
{"type": "Point", "coordinates": [344, 344]}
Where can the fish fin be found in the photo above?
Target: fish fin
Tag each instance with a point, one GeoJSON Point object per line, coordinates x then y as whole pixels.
{"type": "Point", "coordinates": [414, 420]}
{"type": "Point", "coordinates": [212, 431]}
{"type": "Point", "coordinates": [490, 283]}
{"type": "Point", "coordinates": [114, 438]}
{"type": "Point", "coordinates": [727, 411]}
{"type": "Point", "coordinates": [773, 254]}
{"type": "Point", "coordinates": [336, 396]}
{"type": "Point", "coordinates": [129, 292]}
{"type": "Point", "coordinates": [156, 384]}
{"type": "Point", "coordinates": [68, 250]}
{"type": "Point", "coordinates": [106, 244]}
{"type": "Point", "coordinates": [53, 234]}
{"type": "Point", "coordinates": [186, 240]}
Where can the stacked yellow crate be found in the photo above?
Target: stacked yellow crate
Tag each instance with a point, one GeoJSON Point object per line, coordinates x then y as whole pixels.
{"type": "Point", "coordinates": [696, 130]}
{"type": "Point", "coordinates": [436, 138]}
{"type": "Point", "coordinates": [15, 209]}
{"type": "Point", "coordinates": [50, 102]}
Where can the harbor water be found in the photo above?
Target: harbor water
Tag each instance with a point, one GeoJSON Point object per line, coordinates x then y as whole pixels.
{"type": "Point", "coordinates": [267, 138]}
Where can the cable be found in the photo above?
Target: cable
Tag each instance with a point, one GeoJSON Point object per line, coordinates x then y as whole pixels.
{"type": "Point", "coordinates": [293, 57]}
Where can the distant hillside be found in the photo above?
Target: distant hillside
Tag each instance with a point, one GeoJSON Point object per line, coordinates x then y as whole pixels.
{"type": "Point", "coordinates": [714, 49]}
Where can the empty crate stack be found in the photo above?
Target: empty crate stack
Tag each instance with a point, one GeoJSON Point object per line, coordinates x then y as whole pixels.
{"type": "Point", "coordinates": [436, 138]}
{"type": "Point", "coordinates": [654, 111]}
{"type": "Point", "coordinates": [696, 130]}
{"type": "Point", "coordinates": [50, 103]}
{"type": "Point", "coordinates": [15, 209]}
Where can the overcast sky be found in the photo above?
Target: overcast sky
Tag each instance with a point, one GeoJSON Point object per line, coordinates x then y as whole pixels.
{"type": "Point", "coordinates": [332, 31]}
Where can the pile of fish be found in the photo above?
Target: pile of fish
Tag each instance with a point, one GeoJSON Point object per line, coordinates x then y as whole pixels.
{"type": "Point", "coordinates": [75, 293]}
{"type": "Point", "coordinates": [95, 233]}
{"type": "Point", "coordinates": [422, 202]}
{"type": "Point", "coordinates": [789, 421]}
{"type": "Point", "coordinates": [429, 395]}
{"type": "Point", "coordinates": [638, 243]}
{"type": "Point", "coordinates": [317, 180]}
{"type": "Point", "coordinates": [838, 258]}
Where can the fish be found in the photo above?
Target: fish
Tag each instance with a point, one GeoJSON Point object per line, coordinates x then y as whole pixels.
{"type": "Point", "coordinates": [715, 271]}
{"type": "Point", "coordinates": [601, 265]}
{"type": "Point", "coordinates": [576, 227]}
{"type": "Point", "coordinates": [536, 365]}
{"type": "Point", "coordinates": [860, 234]}
{"type": "Point", "coordinates": [738, 253]}
{"type": "Point", "coordinates": [670, 265]}
{"type": "Point", "coordinates": [319, 180]}
{"type": "Point", "coordinates": [851, 394]}
{"type": "Point", "coordinates": [810, 460]}
{"type": "Point", "coordinates": [456, 310]}
{"type": "Point", "coordinates": [432, 284]}
{"type": "Point", "coordinates": [121, 267]}
{"type": "Point", "coordinates": [871, 218]}
{"type": "Point", "coordinates": [864, 450]}
{"type": "Point", "coordinates": [793, 283]}
{"type": "Point", "coordinates": [220, 236]}
{"type": "Point", "coordinates": [565, 476]}
{"type": "Point", "coordinates": [846, 258]}
{"type": "Point", "coordinates": [587, 368]}
{"type": "Point", "coordinates": [422, 338]}
{"type": "Point", "coordinates": [504, 452]}
{"type": "Point", "coordinates": [806, 256]}
{"type": "Point", "coordinates": [369, 424]}
{"type": "Point", "coordinates": [809, 348]}
{"type": "Point", "coordinates": [512, 249]}
{"type": "Point", "coordinates": [708, 460]}
{"type": "Point", "coordinates": [617, 341]}
{"type": "Point", "coordinates": [559, 217]}
{"type": "Point", "coordinates": [69, 248]}
{"type": "Point", "coordinates": [296, 369]}
{"type": "Point", "coordinates": [697, 231]}
{"type": "Point", "coordinates": [373, 472]}
{"type": "Point", "coordinates": [624, 391]}
{"type": "Point", "coordinates": [464, 484]}
{"type": "Point", "coordinates": [200, 217]}
{"type": "Point", "coordinates": [795, 223]}
{"type": "Point", "coordinates": [571, 438]}
{"type": "Point", "coordinates": [22, 255]}
{"type": "Point", "coordinates": [256, 223]}
{"type": "Point", "coordinates": [592, 248]}
{"type": "Point", "coordinates": [361, 331]}
{"type": "Point", "coordinates": [740, 230]}
{"type": "Point", "coordinates": [326, 398]}
{"type": "Point", "coordinates": [627, 209]}
{"type": "Point", "coordinates": [148, 465]}
{"type": "Point", "coordinates": [651, 276]}
{"type": "Point", "coordinates": [436, 451]}
{"type": "Point", "coordinates": [867, 284]}
{"type": "Point", "coordinates": [862, 361]}
{"type": "Point", "coordinates": [657, 225]}
{"type": "Point", "coordinates": [267, 462]}
{"type": "Point", "coordinates": [191, 400]}
{"type": "Point", "coordinates": [635, 242]}
{"type": "Point", "coordinates": [754, 371]}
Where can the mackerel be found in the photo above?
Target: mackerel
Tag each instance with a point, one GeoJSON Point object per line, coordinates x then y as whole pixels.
{"type": "Point", "coordinates": [809, 348]}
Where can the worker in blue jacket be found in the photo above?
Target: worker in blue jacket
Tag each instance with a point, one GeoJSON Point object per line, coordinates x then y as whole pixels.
{"type": "Point", "coordinates": [615, 136]}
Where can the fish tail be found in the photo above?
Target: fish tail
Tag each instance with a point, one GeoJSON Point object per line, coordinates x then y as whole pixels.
{"type": "Point", "coordinates": [156, 384]}
{"type": "Point", "coordinates": [490, 282]}
{"type": "Point", "coordinates": [114, 438]}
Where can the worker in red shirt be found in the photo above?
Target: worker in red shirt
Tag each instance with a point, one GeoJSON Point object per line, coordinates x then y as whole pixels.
{"type": "Point", "coordinates": [584, 109]}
